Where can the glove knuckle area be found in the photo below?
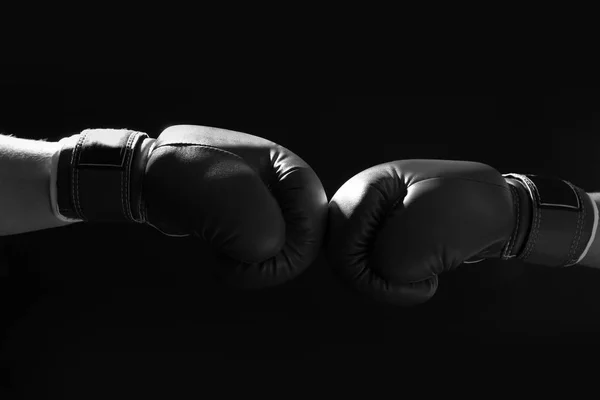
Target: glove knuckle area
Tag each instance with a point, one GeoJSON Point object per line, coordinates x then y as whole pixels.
{"type": "Point", "coordinates": [262, 207]}
{"type": "Point", "coordinates": [357, 213]}
{"type": "Point", "coordinates": [243, 219]}
{"type": "Point", "coordinates": [217, 196]}
{"type": "Point", "coordinates": [303, 202]}
{"type": "Point", "coordinates": [421, 169]}
{"type": "Point", "coordinates": [394, 227]}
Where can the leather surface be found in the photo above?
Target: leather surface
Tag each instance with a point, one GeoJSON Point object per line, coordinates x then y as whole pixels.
{"type": "Point", "coordinates": [99, 176]}
{"type": "Point", "coordinates": [560, 228]}
{"type": "Point", "coordinates": [395, 227]}
{"type": "Point", "coordinates": [122, 311]}
{"type": "Point", "coordinates": [259, 205]}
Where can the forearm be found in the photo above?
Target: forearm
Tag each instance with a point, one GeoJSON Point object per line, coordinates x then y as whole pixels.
{"type": "Point", "coordinates": [25, 173]}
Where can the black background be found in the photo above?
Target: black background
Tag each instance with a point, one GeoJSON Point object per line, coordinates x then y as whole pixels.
{"type": "Point", "coordinates": [95, 311]}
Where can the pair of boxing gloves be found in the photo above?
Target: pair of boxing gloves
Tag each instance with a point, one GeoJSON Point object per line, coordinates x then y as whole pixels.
{"type": "Point", "coordinates": [389, 230]}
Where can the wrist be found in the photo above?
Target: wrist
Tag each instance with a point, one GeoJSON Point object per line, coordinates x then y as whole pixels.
{"type": "Point", "coordinates": [560, 220]}
{"type": "Point", "coordinates": [26, 168]}
{"type": "Point", "coordinates": [99, 175]}
{"type": "Point", "coordinates": [53, 168]}
{"type": "Point", "coordinates": [140, 160]}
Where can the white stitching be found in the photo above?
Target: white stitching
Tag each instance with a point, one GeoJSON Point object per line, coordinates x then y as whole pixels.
{"type": "Point", "coordinates": [578, 231]}
{"type": "Point", "coordinates": [126, 178]}
{"type": "Point", "coordinates": [75, 176]}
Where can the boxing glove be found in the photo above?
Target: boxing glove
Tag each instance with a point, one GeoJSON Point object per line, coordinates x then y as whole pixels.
{"type": "Point", "coordinates": [395, 227]}
{"type": "Point", "coordinates": [259, 206]}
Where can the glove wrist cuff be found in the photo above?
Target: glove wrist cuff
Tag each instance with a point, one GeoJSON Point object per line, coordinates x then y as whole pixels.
{"type": "Point", "coordinates": [522, 207]}
{"type": "Point", "coordinates": [560, 224]}
{"type": "Point", "coordinates": [99, 176]}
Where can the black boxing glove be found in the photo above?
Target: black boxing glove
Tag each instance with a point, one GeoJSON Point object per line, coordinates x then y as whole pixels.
{"type": "Point", "coordinates": [395, 227]}
{"type": "Point", "coordinates": [260, 206]}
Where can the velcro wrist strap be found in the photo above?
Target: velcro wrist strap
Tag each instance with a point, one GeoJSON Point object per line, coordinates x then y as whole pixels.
{"type": "Point", "coordinates": [98, 178]}
{"type": "Point", "coordinates": [562, 221]}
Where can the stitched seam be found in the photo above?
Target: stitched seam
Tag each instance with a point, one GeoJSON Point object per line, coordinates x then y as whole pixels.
{"type": "Point", "coordinates": [518, 203]}
{"type": "Point", "coordinates": [537, 219]}
{"type": "Point", "coordinates": [196, 144]}
{"type": "Point", "coordinates": [517, 206]}
{"type": "Point", "coordinates": [208, 147]}
{"type": "Point", "coordinates": [76, 157]}
{"type": "Point", "coordinates": [579, 230]}
{"type": "Point", "coordinates": [457, 178]}
{"type": "Point", "coordinates": [126, 178]}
